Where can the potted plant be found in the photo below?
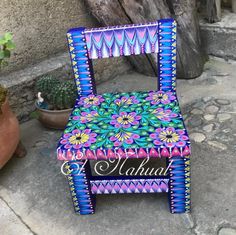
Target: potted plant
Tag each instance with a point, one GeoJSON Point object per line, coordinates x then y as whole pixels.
{"type": "Point", "coordinates": [55, 101]}
{"type": "Point", "coordinates": [9, 125]}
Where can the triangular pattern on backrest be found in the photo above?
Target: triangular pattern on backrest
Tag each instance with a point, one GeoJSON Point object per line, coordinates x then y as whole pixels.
{"type": "Point", "coordinates": [157, 37]}
{"type": "Point", "coordinates": [122, 40]}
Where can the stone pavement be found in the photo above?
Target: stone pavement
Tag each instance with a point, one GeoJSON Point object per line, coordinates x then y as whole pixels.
{"type": "Point", "coordinates": [34, 196]}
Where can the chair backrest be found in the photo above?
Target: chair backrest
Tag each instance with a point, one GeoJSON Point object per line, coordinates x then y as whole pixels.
{"type": "Point", "coordinates": [95, 43]}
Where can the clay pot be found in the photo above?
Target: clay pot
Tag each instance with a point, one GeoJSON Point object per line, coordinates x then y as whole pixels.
{"type": "Point", "coordinates": [56, 119]}
{"type": "Point", "coordinates": [9, 133]}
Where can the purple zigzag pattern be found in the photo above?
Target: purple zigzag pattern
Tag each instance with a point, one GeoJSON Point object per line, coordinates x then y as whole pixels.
{"type": "Point", "coordinates": [129, 186]}
{"type": "Point", "coordinates": [122, 40]}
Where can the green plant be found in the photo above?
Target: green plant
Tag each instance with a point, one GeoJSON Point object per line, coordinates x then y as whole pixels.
{"type": "Point", "coordinates": [63, 95]}
{"type": "Point", "coordinates": [45, 85]}
{"type": "Point", "coordinates": [6, 46]}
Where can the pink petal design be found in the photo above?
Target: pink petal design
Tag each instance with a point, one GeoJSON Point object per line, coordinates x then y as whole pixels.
{"type": "Point", "coordinates": [121, 154]}
{"type": "Point", "coordinates": [165, 152]}
{"type": "Point", "coordinates": [157, 142]}
{"type": "Point", "coordinates": [142, 153]}
{"type": "Point", "coordinates": [131, 153]}
{"type": "Point", "coordinates": [176, 152]}
{"type": "Point", "coordinates": [76, 118]}
{"type": "Point", "coordinates": [184, 137]}
{"type": "Point", "coordinates": [170, 145]}
{"type": "Point", "coordinates": [135, 122]}
{"type": "Point", "coordinates": [77, 146]}
{"type": "Point", "coordinates": [129, 141]}
{"type": "Point", "coordinates": [79, 155]}
{"type": "Point", "coordinates": [100, 154]}
{"type": "Point", "coordinates": [153, 136]}
{"type": "Point", "coordinates": [113, 138]}
{"type": "Point", "coordinates": [180, 132]}
{"type": "Point", "coordinates": [117, 143]}
{"type": "Point", "coordinates": [135, 136]}
{"type": "Point", "coordinates": [186, 151]}
{"type": "Point", "coordinates": [90, 155]}
{"type": "Point", "coordinates": [110, 154]}
{"type": "Point", "coordinates": [67, 146]}
{"type": "Point", "coordinates": [63, 141]}
{"type": "Point", "coordinates": [87, 131]}
{"type": "Point", "coordinates": [113, 122]}
{"type": "Point", "coordinates": [66, 135]}
{"type": "Point", "coordinates": [92, 140]}
{"type": "Point", "coordinates": [69, 155]}
{"type": "Point", "coordinates": [165, 101]}
{"type": "Point", "coordinates": [76, 131]}
{"type": "Point", "coordinates": [181, 144]}
{"type": "Point", "coordinates": [153, 153]}
{"type": "Point", "coordinates": [170, 129]}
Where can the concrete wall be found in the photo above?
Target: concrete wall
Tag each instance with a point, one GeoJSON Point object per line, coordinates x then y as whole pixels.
{"type": "Point", "coordinates": [219, 39]}
{"type": "Point", "coordinates": [39, 27]}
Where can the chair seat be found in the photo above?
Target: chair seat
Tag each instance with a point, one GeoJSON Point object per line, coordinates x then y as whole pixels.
{"type": "Point", "coordinates": [126, 125]}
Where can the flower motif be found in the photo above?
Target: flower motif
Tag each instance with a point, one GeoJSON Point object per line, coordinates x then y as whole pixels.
{"type": "Point", "coordinates": [91, 100]}
{"type": "Point", "coordinates": [157, 97]}
{"type": "Point", "coordinates": [122, 137]}
{"type": "Point", "coordinates": [125, 119]}
{"type": "Point", "coordinates": [164, 114]}
{"type": "Point", "coordinates": [86, 116]}
{"type": "Point", "coordinates": [126, 100]}
{"type": "Point", "coordinates": [78, 139]}
{"type": "Point", "coordinates": [169, 137]}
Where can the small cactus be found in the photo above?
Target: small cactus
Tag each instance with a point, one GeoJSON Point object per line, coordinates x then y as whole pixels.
{"type": "Point", "coordinates": [45, 85]}
{"type": "Point", "coordinates": [63, 95]}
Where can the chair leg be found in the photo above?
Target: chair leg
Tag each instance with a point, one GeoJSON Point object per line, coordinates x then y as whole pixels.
{"type": "Point", "coordinates": [79, 173]}
{"type": "Point", "coordinates": [179, 184]}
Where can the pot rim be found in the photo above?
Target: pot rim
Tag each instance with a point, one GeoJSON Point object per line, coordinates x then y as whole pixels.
{"type": "Point", "coordinates": [51, 111]}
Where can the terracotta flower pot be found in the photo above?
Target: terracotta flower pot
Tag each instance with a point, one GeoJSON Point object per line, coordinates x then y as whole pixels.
{"type": "Point", "coordinates": [56, 119]}
{"type": "Point", "coordinates": [9, 133]}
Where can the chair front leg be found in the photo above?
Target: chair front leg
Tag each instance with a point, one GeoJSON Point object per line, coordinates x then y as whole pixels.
{"type": "Point", "coordinates": [179, 184]}
{"type": "Point", "coordinates": [78, 175]}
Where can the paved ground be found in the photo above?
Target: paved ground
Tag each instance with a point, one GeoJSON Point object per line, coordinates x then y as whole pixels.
{"type": "Point", "coordinates": [33, 193]}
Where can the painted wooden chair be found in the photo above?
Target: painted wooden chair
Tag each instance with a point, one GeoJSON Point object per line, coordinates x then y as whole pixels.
{"type": "Point", "coordinates": [125, 125]}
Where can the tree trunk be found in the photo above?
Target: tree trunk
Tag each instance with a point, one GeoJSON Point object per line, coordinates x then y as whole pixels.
{"type": "Point", "coordinates": [214, 10]}
{"type": "Point", "coordinates": [190, 57]}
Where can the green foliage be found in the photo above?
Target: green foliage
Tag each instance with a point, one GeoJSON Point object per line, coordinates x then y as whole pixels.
{"type": "Point", "coordinates": [45, 85]}
{"type": "Point", "coordinates": [63, 95]}
{"type": "Point", "coordinates": [6, 46]}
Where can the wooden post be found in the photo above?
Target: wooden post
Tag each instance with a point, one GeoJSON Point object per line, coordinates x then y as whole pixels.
{"type": "Point", "coordinates": [214, 10]}
{"type": "Point", "coordinates": [190, 56]}
{"type": "Point", "coordinates": [234, 6]}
